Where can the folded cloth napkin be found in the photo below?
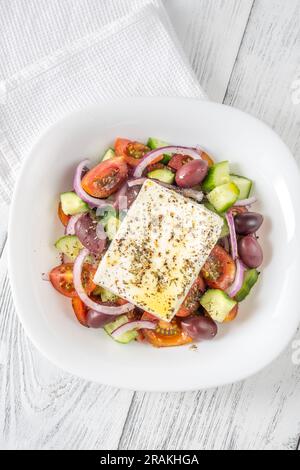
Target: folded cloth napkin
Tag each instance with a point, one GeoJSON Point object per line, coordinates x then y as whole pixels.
{"type": "Point", "coordinates": [74, 53]}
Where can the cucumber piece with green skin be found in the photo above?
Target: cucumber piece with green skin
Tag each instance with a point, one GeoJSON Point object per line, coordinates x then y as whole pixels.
{"type": "Point", "coordinates": [71, 204]}
{"type": "Point", "coordinates": [224, 196]}
{"type": "Point", "coordinates": [108, 214]}
{"type": "Point", "coordinates": [126, 337]}
{"type": "Point", "coordinates": [108, 155]}
{"type": "Point", "coordinates": [69, 245]}
{"type": "Point", "coordinates": [111, 227]}
{"type": "Point", "coordinates": [110, 223]}
{"type": "Point", "coordinates": [217, 304]}
{"type": "Point", "coordinates": [225, 228]}
{"type": "Point", "coordinates": [244, 185]}
{"type": "Point", "coordinates": [107, 295]}
{"type": "Point", "coordinates": [250, 279]}
{"type": "Point", "coordinates": [154, 144]}
{"type": "Point", "coordinates": [162, 174]}
{"type": "Point", "coordinates": [217, 175]}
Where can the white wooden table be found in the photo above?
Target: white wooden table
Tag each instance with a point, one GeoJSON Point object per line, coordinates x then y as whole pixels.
{"type": "Point", "coordinates": [246, 53]}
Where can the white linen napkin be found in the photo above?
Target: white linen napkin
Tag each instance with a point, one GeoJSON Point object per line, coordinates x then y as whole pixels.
{"type": "Point", "coordinates": [69, 54]}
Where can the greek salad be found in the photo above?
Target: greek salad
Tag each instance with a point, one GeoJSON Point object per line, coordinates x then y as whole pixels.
{"type": "Point", "coordinates": [160, 243]}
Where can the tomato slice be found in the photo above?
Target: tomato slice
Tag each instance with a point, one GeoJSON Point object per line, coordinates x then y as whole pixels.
{"type": "Point", "coordinates": [88, 273]}
{"type": "Point", "coordinates": [149, 317]}
{"type": "Point", "coordinates": [155, 166]}
{"type": "Point", "coordinates": [178, 160]}
{"type": "Point", "coordinates": [166, 335]}
{"type": "Point", "coordinates": [64, 218]}
{"type": "Point", "coordinates": [132, 152]}
{"type": "Point", "coordinates": [207, 158]}
{"type": "Point", "coordinates": [80, 310]}
{"type": "Point", "coordinates": [121, 301]}
{"type": "Point", "coordinates": [61, 277]}
{"type": "Point", "coordinates": [191, 302]}
{"type": "Point", "coordinates": [232, 314]}
{"type": "Point", "coordinates": [106, 178]}
{"type": "Point", "coordinates": [238, 210]}
{"type": "Point", "coordinates": [219, 270]}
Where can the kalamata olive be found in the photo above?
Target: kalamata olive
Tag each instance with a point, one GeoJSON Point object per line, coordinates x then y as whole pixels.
{"type": "Point", "coordinates": [98, 320]}
{"type": "Point", "coordinates": [198, 327]}
{"type": "Point", "coordinates": [191, 173]}
{"type": "Point", "coordinates": [248, 223]}
{"type": "Point", "coordinates": [250, 251]}
{"type": "Point", "coordinates": [91, 235]}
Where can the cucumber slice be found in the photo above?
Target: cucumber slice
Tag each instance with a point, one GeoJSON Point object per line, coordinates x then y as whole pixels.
{"type": "Point", "coordinates": [217, 304]}
{"type": "Point", "coordinates": [126, 337]}
{"type": "Point", "coordinates": [250, 279]}
{"type": "Point", "coordinates": [111, 227]}
{"type": "Point", "coordinates": [244, 185]}
{"type": "Point", "coordinates": [225, 228]}
{"type": "Point", "coordinates": [108, 214]}
{"type": "Point", "coordinates": [108, 155]}
{"type": "Point", "coordinates": [224, 196]}
{"type": "Point", "coordinates": [71, 204]}
{"type": "Point", "coordinates": [217, 175]}
{"type": "Point", "coordinates": [163, 174]}
{"type": "Point", "coordinates": [107, 295]}
{"type": "Point", "coordinates": [154, 143]}
{"type": "Point", "coordinates": [69, 245]}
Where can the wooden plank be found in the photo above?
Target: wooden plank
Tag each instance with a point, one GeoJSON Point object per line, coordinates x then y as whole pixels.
{"type": "Point", "coordinates": [266, 79]}
{"type": "Point", "coordinates": [211, 32]}
{"type": "Point", "coordinates": [255, 414]}
{"type": "Point", "coordinates": [264, 411]}
{"type": "Point", "coordinates": [42, 407]}
{"type": "Point", "coordinates": [3, 226]}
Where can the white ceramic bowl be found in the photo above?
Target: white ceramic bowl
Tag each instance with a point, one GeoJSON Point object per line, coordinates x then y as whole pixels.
{"type": "Point", "coordinates": [267, 319]}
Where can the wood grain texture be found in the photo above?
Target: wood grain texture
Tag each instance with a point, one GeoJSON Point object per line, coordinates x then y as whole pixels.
{"type": "Point", "coordinates": [264, 80]}
{"type": "Point", "coordinates": [262, 412]}
{"type": "Point", "coordinates": [211, 32]}
{"type": "Point", "coordinates": [42, 407]}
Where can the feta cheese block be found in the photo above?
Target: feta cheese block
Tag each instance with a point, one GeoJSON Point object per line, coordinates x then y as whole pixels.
{"type": "Point", "coordinates": [159, 250]}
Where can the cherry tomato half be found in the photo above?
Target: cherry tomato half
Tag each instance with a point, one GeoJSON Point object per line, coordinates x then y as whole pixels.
{"type": "Point", "coordinates": [61, 277]}
{"type": "Point", "coordinates": [178, 160]}
{"type": "Point", "coordinates": [64, 218]}
{"type": "Point", "coordinates": [132, 152]}
{"type": "Point", "coordinates": [218, 271]}
{"type": "Point", "coordinates": [80, 310]}
{"type": "Point", "coordinates": [191, 302]}
{"type": "Point", "coordinates": [106, 178]}
{"type": "Point", "coordinates": [232, 314]}
{"type": "Point", "coordinates": [166, 335]}
{"type": "Point", "coordinates": [207, 158]}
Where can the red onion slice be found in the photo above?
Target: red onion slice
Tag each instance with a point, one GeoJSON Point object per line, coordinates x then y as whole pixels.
{"type": "Point", "coordinates": [92, 201]}
{"type": "Point", "coordinates": [136, 182]}
{"type": "Point", "coordinates": [239, 279]}
{"type": "Point", "coordinates": [233, 240]}
{"type": "Point", "coordinates": [133, 325]}
{"type": "Point", "coordinates": [70, 228]}
{"type": "Point", "coordinates": [246, 202]}
{"type": "Point", "coordinates": [192, 194]}
{"type": "Point", "coordinates": [119, 196]}
{"type": "Point", "coordinates": [107, 310]}
{"type": "Point", "coordinates": [152, 156]}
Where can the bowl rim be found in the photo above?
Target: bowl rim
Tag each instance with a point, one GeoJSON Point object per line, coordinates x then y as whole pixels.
{"type": "Point", "coordinates": [11, 262]}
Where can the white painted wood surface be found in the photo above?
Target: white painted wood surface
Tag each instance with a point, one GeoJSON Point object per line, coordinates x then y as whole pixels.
{"type": "Point", "coordinates": [248, 53]}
